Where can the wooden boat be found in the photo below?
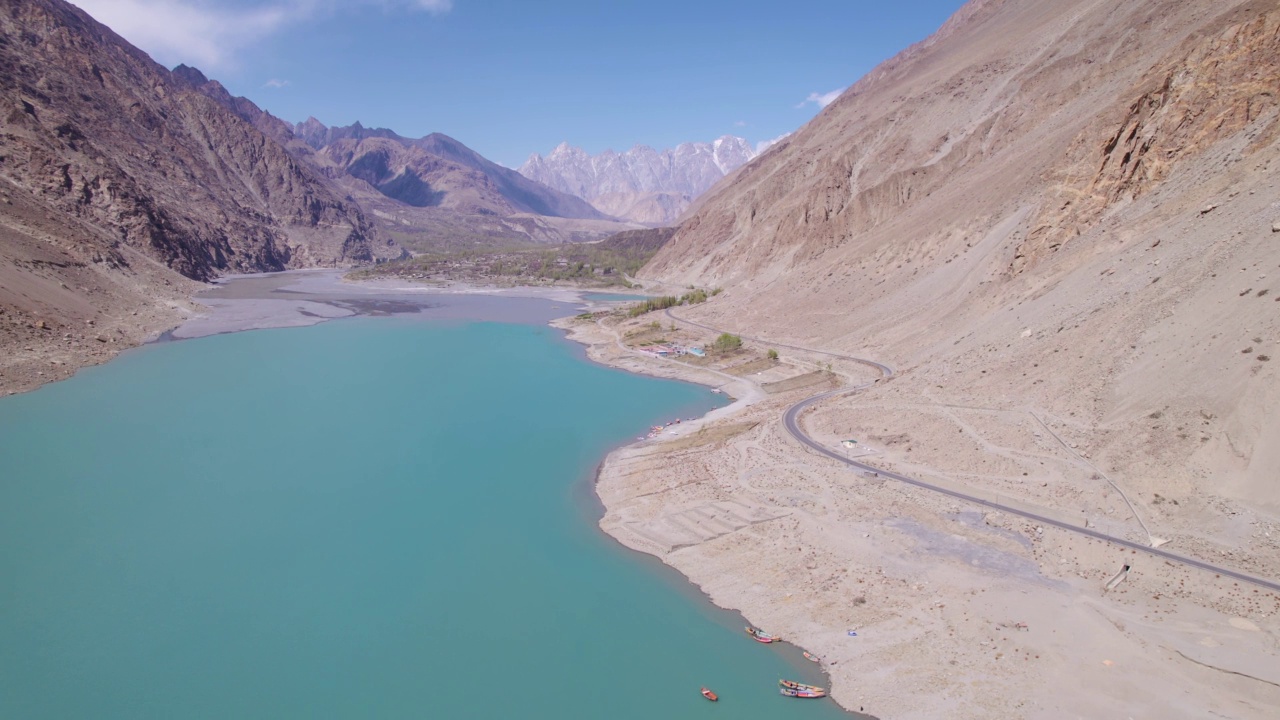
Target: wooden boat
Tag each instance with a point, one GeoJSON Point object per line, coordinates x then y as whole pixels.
{"type": "Point", "coordinates": [760, 635]}
{"type": "Point", "coordinates": [788, 692]}
{"type": "Point", "coordinates": [811, 657]}
{"type": "Point", "coordinates": [792, 685]}
{"type": "Point", "coordinates": [709, 695]}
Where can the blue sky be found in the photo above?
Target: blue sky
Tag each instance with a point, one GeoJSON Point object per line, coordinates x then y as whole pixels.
{"type": "Point", "coordinates": [512, 77]}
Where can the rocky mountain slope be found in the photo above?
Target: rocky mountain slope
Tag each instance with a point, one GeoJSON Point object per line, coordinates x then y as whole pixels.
{"type": "Point", "coordinates": [1064, 206]}
{"type": "Point", "coordinates": [122, 178]}
{"type": "Point", "coordinates": [641, 184]}
{"type": "Point", "coordinates": [99, 131]}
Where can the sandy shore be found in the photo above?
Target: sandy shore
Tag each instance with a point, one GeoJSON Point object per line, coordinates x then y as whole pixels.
{"type": "Point", "coordinates": [307, 297]}
{"type": "Point", "coordinates": [957, 612]}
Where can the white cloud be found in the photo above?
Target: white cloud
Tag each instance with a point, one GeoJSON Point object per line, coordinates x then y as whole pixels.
{"type": "Point", "coordinates": [435, 7]}
{"type": "Point", "coordinates": [210, 33]}
{"type": "Point", "coordinates": [766, 144]}
{"type": "Point", "coordinates": [740, 123]}
{"type": "Point", "coordinates": [821, 99]}
{"type": "Point", "coordinates": [186, 31]}
{"type": "Point", "coordinates": [275, 83]}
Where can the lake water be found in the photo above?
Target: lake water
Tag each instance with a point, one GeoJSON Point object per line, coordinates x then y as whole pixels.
{"type": "Point", "coordinates": [370, 518]}
{"type": "Point", "coordinates": [612, 297]}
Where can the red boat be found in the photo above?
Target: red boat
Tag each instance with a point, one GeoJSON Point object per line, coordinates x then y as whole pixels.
{"type": "Point", "coordinates": [709, 695]}
{"type": "Point", "coordinates": [760, 635]}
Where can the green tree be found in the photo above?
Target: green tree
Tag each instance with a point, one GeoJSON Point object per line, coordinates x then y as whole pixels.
{"type": "Point", "coordinates": [727, 342]}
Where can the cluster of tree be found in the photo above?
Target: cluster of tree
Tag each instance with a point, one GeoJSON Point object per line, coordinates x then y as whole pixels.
{"type": "Point", "coordinates": [693, 297]}
{"type": "Point", "coordinates": [727, 342]}
{"type": "Point", "coordinates": [603, 263]}
{"type": "Point", "coordinates": [657, 303]}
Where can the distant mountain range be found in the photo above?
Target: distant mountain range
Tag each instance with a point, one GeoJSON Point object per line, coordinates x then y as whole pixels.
{"type": "Point", "coordinates": [434, 193]}
{"type": "Point", "coordinates": [642, 184]}
{"type": "Point", "coordinates": [430, 193]}
{"type": "Point", "coordinates": [347, 146]}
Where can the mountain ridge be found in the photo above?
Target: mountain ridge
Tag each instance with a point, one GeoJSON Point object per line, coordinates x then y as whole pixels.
{"type": "Point", "coordinates": [640, 184]}
{"type": "Point", "coordinates": [524, 194]}
{"type": "Point", "coordinates": [152, 177]}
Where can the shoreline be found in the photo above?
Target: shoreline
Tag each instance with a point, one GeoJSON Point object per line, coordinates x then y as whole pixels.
{"type": "Point", "coordinates": [962, 593]}
{"type": "Point", "coordinates": [751, 395]}
{"type": "Point", "coordinates": [684, 586]}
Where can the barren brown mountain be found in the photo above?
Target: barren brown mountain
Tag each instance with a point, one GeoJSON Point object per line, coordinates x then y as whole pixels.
{"type": "Point", "coordinates": [1060, 223]}
{"type": "Point", "coordinates": [1060, 205]}
{"type": "Point", "coordinates": [121, 177]}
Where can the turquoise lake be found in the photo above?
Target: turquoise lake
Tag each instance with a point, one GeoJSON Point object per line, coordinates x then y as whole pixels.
{"type": "Point", "coordinates": [369, 518]}
{"type": "Point", "coordinates": [612, 297]}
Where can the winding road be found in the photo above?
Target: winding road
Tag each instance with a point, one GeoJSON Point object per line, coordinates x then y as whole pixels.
{"type": "Point", "coordinates": [791, 420]}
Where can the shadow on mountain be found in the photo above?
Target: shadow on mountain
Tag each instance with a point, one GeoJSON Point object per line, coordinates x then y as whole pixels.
{"type": "Point", "coordinates": [411, 190]}
{"type": "Point", "coordinates": [375, 168]}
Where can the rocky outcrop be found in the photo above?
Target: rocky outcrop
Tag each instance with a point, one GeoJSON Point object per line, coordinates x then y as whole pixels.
{"type": "Point", "coordinates": [641, 184]}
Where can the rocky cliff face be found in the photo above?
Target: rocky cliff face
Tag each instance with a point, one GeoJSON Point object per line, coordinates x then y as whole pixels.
{"type": "Point", "coordinates": [642, 184]}
{"type": "Point", "coordinates": [1062, 206]}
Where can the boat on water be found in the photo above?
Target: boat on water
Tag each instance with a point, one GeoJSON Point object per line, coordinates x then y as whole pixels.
{"type": "Point", "coordinates": [811, 657]}
{"type": "Point", "coordinates": [709, 695]}
{"type": "Point", "coordinates": [788, 692]}
{"type": "Point", "coordinates": [761, 636]}
{"type": "Point", "coordinates": [801, 687]}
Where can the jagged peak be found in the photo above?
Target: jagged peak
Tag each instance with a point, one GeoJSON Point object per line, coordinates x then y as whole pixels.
{"type": "Point", "coordinates": [189, 74]}
{"type": "Point", "coordinates": [630, 182]}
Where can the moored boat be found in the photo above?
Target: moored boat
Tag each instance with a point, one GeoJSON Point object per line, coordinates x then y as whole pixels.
{"type": "Point", "coordinates": [811, 657]}
{"type": "Point", "coordinates": [709, 695]}
{"type": "Point", "coordinates": [788, 692]}
{"type": "Point", "coordinates": [761, 636]}
{"type": "Point", "coordinates": [793, 685]}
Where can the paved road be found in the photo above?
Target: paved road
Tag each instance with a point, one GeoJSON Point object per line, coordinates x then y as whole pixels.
{"type": "Point", "coordinates": [791, 420]}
